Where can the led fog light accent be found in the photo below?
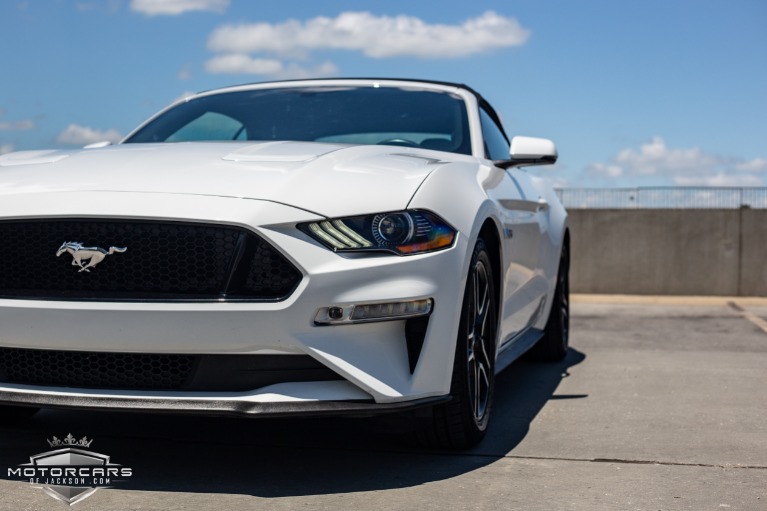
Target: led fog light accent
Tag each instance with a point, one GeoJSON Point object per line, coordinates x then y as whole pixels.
{"type": "Point", "coordinates": [348, 314]}
{"type": "Point", "coordinates": [400, 232]}
{"type": "Point", "coordinates": [391, 310]}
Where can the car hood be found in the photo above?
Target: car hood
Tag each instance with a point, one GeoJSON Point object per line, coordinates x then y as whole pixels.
{"type": "Point", "coordinates": [327, 179]}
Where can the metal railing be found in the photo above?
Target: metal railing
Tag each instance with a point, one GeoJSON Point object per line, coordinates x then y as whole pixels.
{"type": "Point", "coordinates": [663, 198]}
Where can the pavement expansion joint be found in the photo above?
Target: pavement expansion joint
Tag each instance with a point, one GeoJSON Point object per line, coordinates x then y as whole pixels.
{"type": "Point", "coordinates": [639, 462]}
{"type": "Point", "coordinates": [753, 318]}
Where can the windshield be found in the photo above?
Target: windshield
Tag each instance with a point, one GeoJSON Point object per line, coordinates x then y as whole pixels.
{"type": "Point", "coordinates": [348, 115]}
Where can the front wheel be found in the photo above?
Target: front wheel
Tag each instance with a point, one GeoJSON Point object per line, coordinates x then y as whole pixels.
{"type": "Point", "coordinates": [463, 421]}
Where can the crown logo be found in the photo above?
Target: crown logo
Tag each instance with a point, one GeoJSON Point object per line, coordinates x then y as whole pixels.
{"type": "Point", "coordinates": [70, 441]}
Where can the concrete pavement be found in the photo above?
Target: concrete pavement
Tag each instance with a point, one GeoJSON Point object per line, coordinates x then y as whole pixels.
{"type": "Point", "coordinates": [660, 405]}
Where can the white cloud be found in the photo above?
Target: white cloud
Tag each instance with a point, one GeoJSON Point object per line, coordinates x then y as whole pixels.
{"type": "Point", "coordinates": [375, 36]}
{"type": "Point", "coordinates": [176, 7]}
{"type": "Point", "coordinates": [237, 63]}
{"type": "Point", "coordinates": [655, 157]}
{"type": "Point", "coordinates": [294, 71]}
{"type": "Point", "coordinates": [720, 179]}
{"type": "Point", "coordinates": [7, 148]}
{"type": "Point", "coordinates": [74, 134]}
{"type": "Point", "coordinates": [682, 166]}
{"type": "Point", "coordinates": [605, 170]}
{"type": "Point", "coordinates": [22, 125]}
{"type": "Point", "coordinates": [755, 165]}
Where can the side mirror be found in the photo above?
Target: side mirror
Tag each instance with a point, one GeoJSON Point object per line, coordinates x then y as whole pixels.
{"type": "Point", "coordinates": [528, 151]}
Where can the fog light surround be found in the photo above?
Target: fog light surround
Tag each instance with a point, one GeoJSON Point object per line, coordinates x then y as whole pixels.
{"type": "Point", "coordinates": [366, 313]}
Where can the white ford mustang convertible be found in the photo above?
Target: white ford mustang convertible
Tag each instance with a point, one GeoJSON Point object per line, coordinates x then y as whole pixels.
{"type": "Point", "coordinates": [339, 246]}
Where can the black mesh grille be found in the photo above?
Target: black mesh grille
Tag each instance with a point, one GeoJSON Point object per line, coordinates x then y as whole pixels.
{"type": "Point", "coordinates": [162, 261]}
{"type": "Point", "coordinates": [268, 274]}
{"type": "Point", "coordinates": [101, 370]}
{"type": "Point", "coordinates": [142, 371]}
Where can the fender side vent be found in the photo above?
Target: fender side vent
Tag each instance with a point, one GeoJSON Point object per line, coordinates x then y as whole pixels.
{"type": "Point", "coordinates": [415, 333]}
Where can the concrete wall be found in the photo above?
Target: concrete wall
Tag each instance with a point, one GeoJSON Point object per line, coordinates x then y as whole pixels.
{"type": "Point", "coordinates": [670, 252]}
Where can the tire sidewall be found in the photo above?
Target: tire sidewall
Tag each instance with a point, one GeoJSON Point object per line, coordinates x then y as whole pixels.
{"type": "Point", "coordinates": [460, 388]}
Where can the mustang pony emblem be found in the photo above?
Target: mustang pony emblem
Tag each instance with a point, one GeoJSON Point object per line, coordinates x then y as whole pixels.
{"type": "Point", "coordinates": [80, 254]}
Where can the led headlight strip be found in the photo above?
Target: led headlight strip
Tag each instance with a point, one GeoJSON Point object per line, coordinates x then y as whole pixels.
{"type": "Point", "coordinates": [338, 235]}
{"type": "Point", "coordinates": [400, 232]}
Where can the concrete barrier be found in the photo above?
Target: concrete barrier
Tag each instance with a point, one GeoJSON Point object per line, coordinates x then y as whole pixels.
{"type": "Point", "coordinates": [669, 251]}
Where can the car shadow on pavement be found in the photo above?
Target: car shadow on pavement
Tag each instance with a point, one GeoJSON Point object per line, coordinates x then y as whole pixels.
{"type": "Point", "coordinates": [280, 457]}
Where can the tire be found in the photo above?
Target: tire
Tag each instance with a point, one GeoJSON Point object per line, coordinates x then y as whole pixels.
{"type": "Point", "coordinates": [552, 347]}
{"type": "Point", "coordinates": [462, 422]}
{"type": "Point", "coordinates": [11, 414]}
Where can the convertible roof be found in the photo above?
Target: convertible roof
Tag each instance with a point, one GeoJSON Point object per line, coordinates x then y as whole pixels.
{"type": "Point", "coordinates": [482, 101]}
{"type": "Point", "coordinates": [392, 79]}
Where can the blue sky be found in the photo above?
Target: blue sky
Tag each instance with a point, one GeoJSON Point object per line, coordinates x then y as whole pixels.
{"type": "Point", "coordinates": [649, 93]}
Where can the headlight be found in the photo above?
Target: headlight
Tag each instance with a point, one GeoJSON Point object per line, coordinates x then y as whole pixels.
{"type": "Point", "coordinates": [401, 232]}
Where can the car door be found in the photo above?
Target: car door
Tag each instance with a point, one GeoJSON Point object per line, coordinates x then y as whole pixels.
{"type": "Point", "coordinates": [523, 213]}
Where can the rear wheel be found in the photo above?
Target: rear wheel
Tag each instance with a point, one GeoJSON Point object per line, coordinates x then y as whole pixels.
{"type": "Point", "coordinates": [556, 338]}
{"type": "Point", "coordinates": [463, 421]}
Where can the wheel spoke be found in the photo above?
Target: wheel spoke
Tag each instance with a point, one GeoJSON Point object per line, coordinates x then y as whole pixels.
{"type": "Point", "coordinates": [487, 326]}
{"type": "Point", "coordinates": [484, 383]}
{"type": "Point", "coordinates": [483, 357]}
{"type": "Point", "coordinates": [473, 380]}
{"type": "Point", "coordinates": [475, 290]}
{"type": "Point", "coordinates": [482, 291]}
{"type": "Point", "coordinates": [481, 386]}
{"type": "Point", "coordinates": [482, 312]}
{"type": "Point", "coordinates": [477, 393]}
{"type": "Point", "coordinates": [481, 305]}
{"type": "Point", "coordinates": [480, 339]}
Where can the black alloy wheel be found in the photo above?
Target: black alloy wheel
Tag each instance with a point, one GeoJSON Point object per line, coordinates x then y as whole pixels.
{"type": "Point", "coordinates": [463, 422]}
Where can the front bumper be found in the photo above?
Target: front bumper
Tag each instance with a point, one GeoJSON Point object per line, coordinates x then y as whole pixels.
{"type": "Point", "coordinates": [341, 401]}
{"type": "Point", "coordinates": [371, 358]}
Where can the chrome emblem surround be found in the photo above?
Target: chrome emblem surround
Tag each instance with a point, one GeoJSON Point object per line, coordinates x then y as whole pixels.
{"type": "Point", "coordinates": [80, 254]}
